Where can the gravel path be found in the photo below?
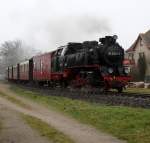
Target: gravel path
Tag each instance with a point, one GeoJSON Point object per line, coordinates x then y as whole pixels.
{"type": "Point", "coordinates": [15, 130]}
{"type": "Point", "coordinates": [80, 133]}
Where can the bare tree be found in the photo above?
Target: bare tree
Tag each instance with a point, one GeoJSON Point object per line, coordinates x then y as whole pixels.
{"type": "Point", "coordinates": [13, 52]}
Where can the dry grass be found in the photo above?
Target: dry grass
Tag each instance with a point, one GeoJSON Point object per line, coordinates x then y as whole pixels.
{"type": "Point", "coordinates": [138, 90]}
{"type": "Point", "coordinates": [46, 130]}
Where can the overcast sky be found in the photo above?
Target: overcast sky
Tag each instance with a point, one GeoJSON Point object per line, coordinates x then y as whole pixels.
{"type": "Point", "coordinates": [46, 24]}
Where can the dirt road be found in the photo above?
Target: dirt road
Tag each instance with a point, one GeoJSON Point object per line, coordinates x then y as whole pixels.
{"type": "Point", "coordinates": [80, 133]}
{"type": "Point", "coordinates": [15, 130]}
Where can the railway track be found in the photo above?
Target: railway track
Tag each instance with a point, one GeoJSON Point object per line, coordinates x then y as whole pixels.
{"type": "Point", "coordinates": [106, 98]}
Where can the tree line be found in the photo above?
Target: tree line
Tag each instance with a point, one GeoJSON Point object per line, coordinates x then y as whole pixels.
{"type": "Point", "coordinates": [13, 52]}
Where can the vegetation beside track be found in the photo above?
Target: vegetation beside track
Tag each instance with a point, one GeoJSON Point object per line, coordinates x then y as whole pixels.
{"type": "Point", "coordinates": [138, 90]}
{"type": "Point", "coordinates": [0, 126]}
{"type": "Point", "coordinates": [131, 124]}
{"type": "Point", "coordinates": [46, 130]}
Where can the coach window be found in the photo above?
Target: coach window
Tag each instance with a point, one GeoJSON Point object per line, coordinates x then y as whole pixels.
{"type": "Point", "coordinates": [28, 67]}
{"type": "Point", "coordinates": [36, 68]}
{"type": "Point", "coordinates": [41, 65]}
{"type": "Point", "coordinates": [34, 65]}
{"type": "Point", "coordinates": [59, 51]}
{"type": "Point", "coordinates": [23, 67]}
{"type": "Point", "coordinates": [38, 65]}
{"type": "Point", "coordinates": [64, 51]}
{"type": "Point", "coordinates": [39, 68]}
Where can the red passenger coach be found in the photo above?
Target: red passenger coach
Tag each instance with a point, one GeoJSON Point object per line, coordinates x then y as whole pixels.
{"type": "Point", "coordinates": [45, 68]}
{"type": "Point", "coordinates": [24, 71]}
{"type": "Point", "coordinates": [42, 67]}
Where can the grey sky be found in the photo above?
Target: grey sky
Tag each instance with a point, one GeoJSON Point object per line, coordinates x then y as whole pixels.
{"type": "Point", "coordinates": [45, 24]}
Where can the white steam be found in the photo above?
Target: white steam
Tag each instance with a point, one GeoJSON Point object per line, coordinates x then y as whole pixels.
{"type": "Point", "coordinates": [49, 34]}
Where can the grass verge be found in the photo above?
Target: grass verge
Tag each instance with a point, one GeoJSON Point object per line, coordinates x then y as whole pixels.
{"type": "Point", "coordinates": [0, 126]}
{"type": "Point", "coordinates": [130, 124]}
{"type": "Point", "coordinates": [46, 130]}
{"type": "Point", "coordinates": [138, 90]}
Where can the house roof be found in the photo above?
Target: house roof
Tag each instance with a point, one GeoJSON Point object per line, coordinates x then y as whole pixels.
{"type": "Point", "coordinates": [145, 37]}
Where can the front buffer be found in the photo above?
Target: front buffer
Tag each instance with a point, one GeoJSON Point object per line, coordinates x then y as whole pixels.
{"type": "Point", "coordinates": [116, 82]}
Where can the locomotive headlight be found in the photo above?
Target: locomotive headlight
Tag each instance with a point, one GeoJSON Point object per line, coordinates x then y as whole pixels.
{"type": "Point", "coordinates": [110, 70]}
{"type": "Point", "coordinates": [126, 70]}
{"type": "Point", "coordinates": [91, 50]}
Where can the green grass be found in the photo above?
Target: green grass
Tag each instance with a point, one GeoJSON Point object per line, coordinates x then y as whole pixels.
{"type": "Point", "coordinates": [130, 124]}
{"type": "Point", "coordinates": [46, 130]}
{"type": "Point", "coordinates": [0, 126]}
{"type": "Point", "coordinates": [138, 90]}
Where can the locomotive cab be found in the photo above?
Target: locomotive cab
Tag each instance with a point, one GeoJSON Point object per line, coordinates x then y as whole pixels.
{"type": "Point", "coordinates": [56, 60]}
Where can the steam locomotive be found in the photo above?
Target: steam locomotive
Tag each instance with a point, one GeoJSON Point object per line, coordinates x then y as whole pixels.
{"type": "Point", "coordinates": [90, 64]}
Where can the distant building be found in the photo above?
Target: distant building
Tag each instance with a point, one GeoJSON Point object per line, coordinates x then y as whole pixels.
{"type": "Point", "coordinates": [140, 48]}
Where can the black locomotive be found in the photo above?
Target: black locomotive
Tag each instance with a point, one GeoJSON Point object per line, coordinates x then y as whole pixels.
{"type": "Point", "coordinates": [107, 53]}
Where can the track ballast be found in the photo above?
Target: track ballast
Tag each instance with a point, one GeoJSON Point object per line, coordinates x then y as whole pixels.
{"type": "Point", "coordinates": [106, 98]}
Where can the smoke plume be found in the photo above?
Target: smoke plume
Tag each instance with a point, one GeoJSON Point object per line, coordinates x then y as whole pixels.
{"type": "Point", "coordinates": [56, 32]}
